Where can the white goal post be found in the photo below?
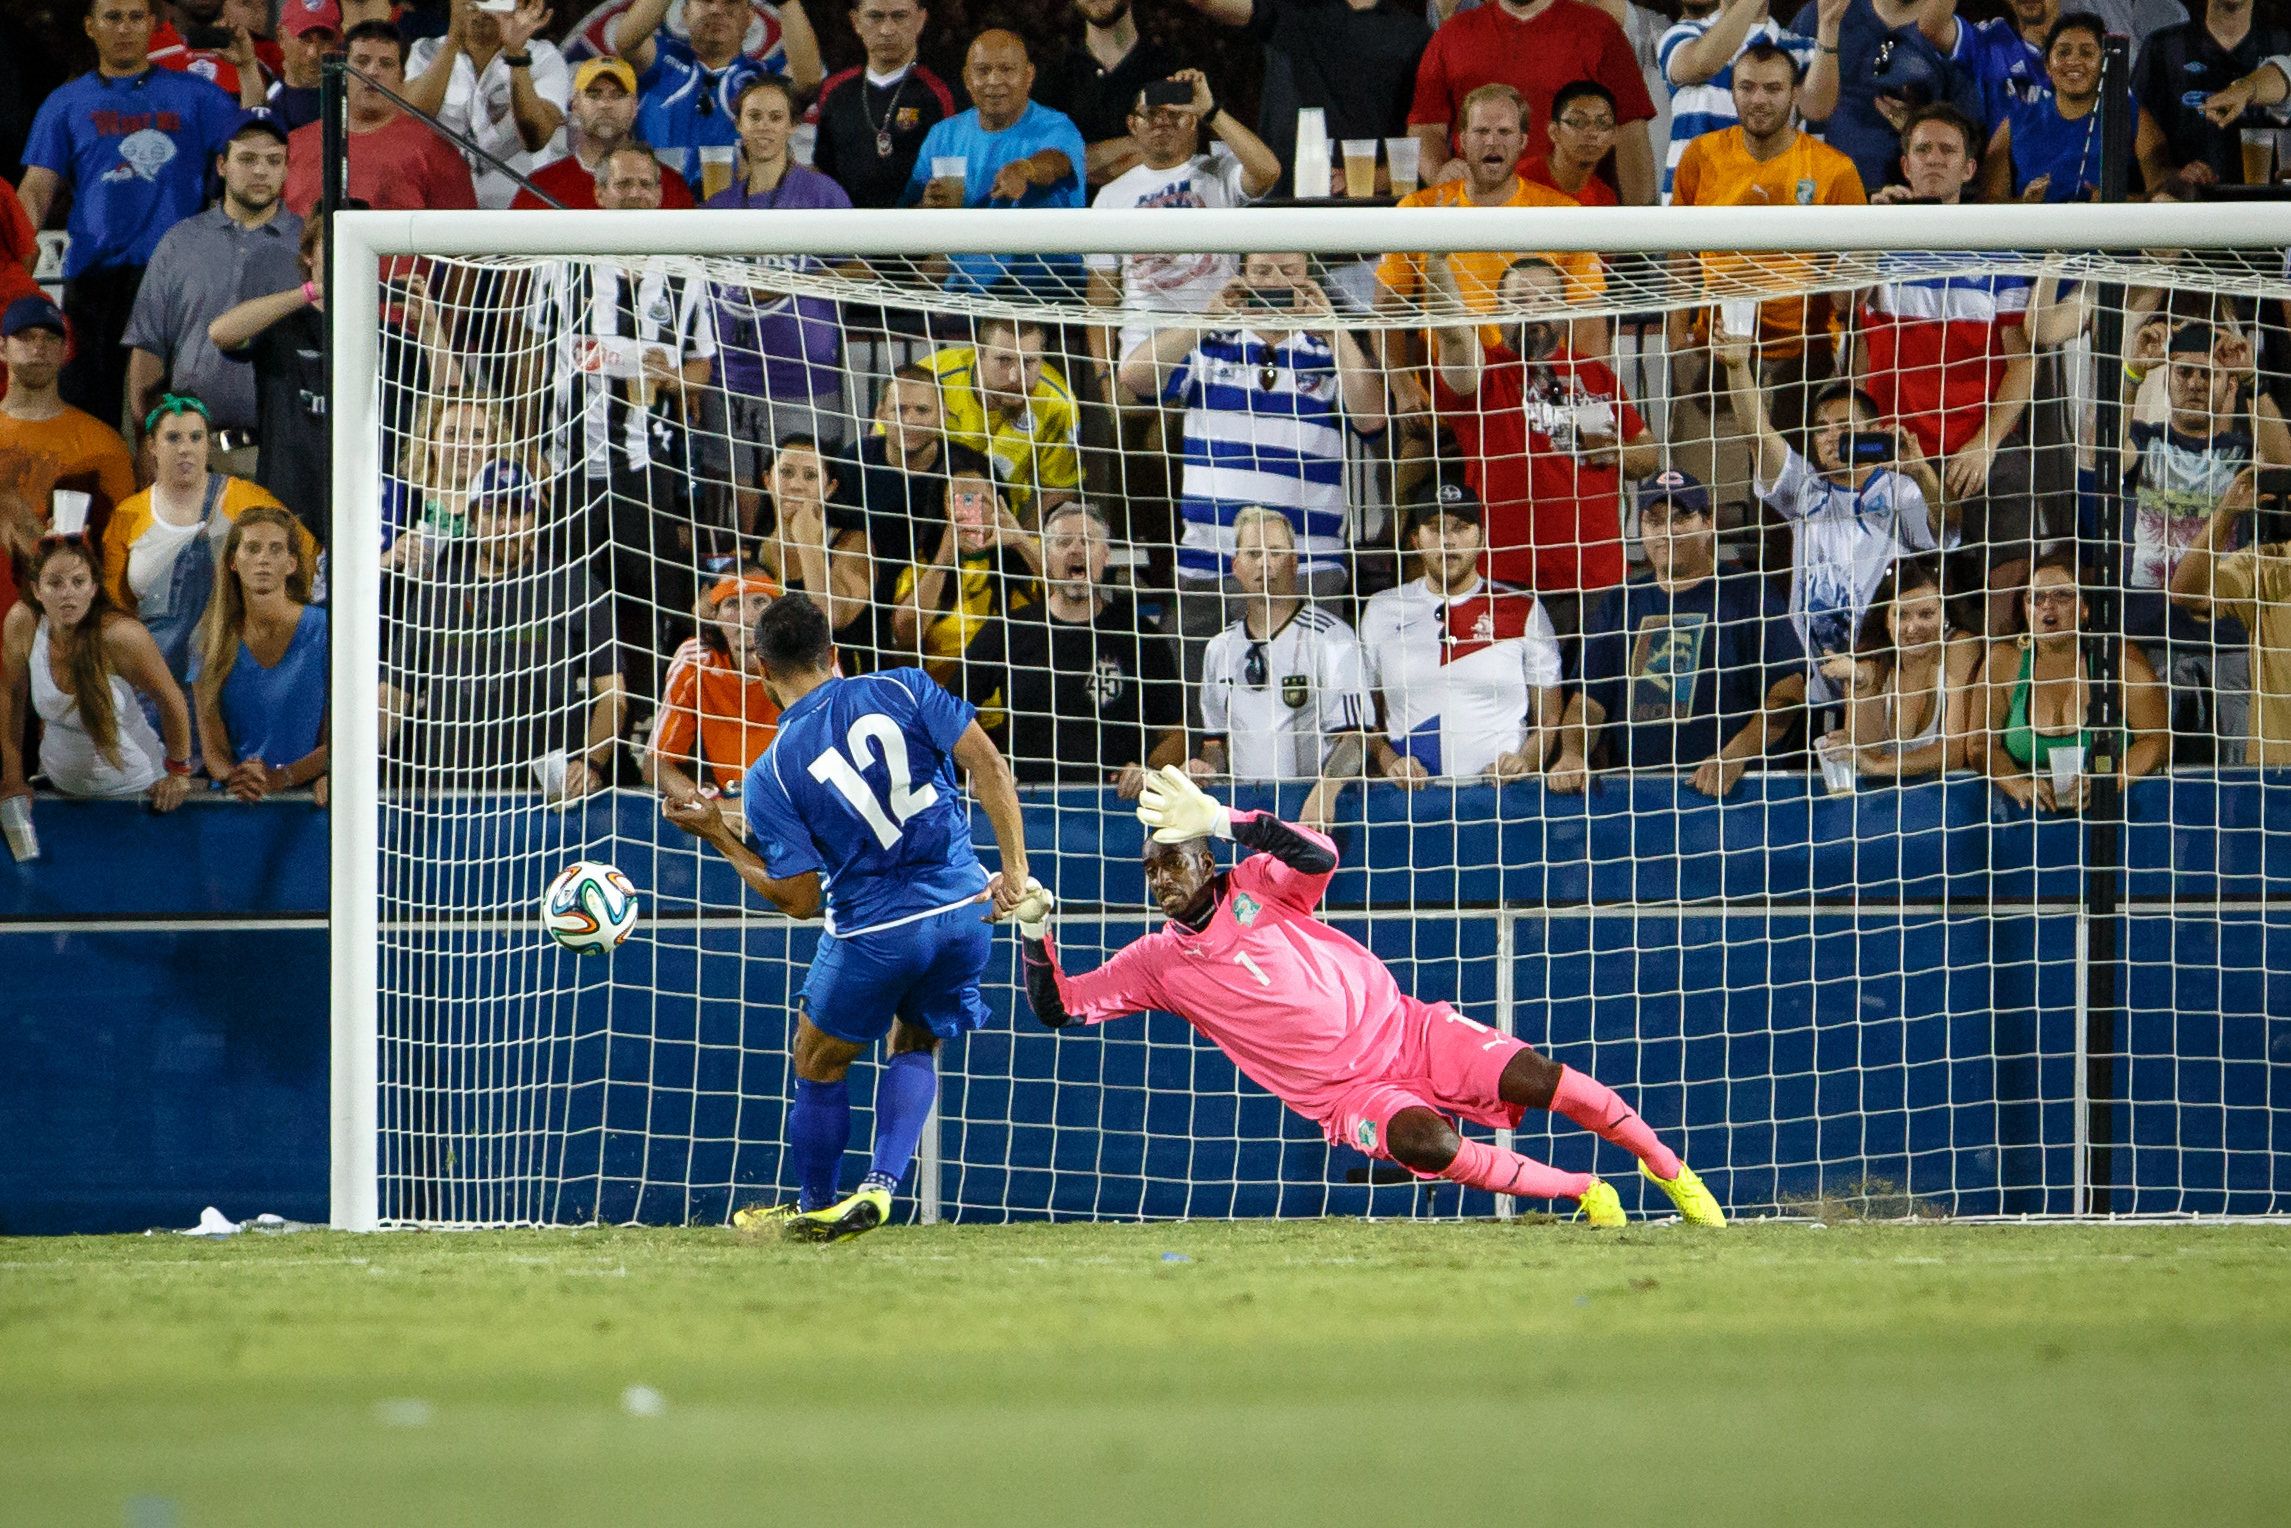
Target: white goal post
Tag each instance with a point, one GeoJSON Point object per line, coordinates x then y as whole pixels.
{"type": "Point", "coordinates": [1552, 950]}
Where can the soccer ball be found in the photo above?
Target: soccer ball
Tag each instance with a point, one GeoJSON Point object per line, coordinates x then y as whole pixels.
{"type": "Point", "coordinates": [589, 908]}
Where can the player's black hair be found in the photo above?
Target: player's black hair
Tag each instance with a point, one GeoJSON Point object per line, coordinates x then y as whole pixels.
{"type": "Point", "coordinates": [792, 637]}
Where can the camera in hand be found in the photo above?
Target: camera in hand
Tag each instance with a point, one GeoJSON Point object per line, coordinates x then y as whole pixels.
{"type": "Point", "coordinates": [1168, 93]}
{"type": "Point", "coordinates": [207, 38]}
{"type": "Point", "coordinates": [2271, 515]}
{"type": "Point", "coordinates": [1283, 296]}
{"type": "Point", "coordinates": [1868, 448]}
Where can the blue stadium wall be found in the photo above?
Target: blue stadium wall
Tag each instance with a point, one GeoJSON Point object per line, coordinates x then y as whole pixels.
{"type": "Point", "coordinates": [1890, 976]}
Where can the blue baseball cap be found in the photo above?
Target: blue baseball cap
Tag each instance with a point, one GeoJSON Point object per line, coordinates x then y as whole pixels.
{"type": "Point", "coordinates": [32, 312]}
{"type": "Point", "coordinates": [504, 479]}
{"type": "Point", "coordinates": [257, 119]}
{"type": "Point", "coordinates": [1678, 489]}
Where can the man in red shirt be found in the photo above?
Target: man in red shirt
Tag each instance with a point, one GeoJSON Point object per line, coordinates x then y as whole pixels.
{"type": "Point", "coordinates": [1535, 46]}
{"type": "Point", "coordinates": [397, 162]}
{"type": "Point", "coordinates": [597, 122]}
{"type": "Point", "coordinates": [239, 66]}
{"type": "Point", "coordinates": [1548, 438]}
{"type": "Point", "coordinates": [1582, 136]}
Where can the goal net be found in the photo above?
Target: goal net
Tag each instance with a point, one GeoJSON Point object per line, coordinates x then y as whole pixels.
{"type": "Point", "coordinates": [1693, 628]}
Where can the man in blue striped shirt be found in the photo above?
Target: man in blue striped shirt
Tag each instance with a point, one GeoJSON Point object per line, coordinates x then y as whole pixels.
{"type": "Point", "coordinates": [1267, 405]}
{"type": "Point", "coordinates": [1697, 58]}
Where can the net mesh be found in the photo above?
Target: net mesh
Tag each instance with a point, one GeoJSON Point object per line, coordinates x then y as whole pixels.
{"type": "Point", "coordinates": [1781, 842]}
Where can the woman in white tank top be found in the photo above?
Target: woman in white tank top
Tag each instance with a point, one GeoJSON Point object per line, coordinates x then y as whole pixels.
{"type": "Point", "coordinates": [1910, 702]}
{"type": "Point", "coordinates": [79, 661]}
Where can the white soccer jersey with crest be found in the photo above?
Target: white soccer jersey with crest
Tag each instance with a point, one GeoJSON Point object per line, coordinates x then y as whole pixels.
{"type": "Point", "coordinates": [1458, 672]}
{"type": "Point", "coordinates": [1309, 690]}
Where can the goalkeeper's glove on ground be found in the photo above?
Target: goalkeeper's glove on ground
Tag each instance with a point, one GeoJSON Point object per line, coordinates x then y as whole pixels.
{"type": "Point", "coordinates": [1176, 811]}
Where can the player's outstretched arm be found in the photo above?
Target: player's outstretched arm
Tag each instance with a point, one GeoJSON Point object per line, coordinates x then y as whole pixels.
{"type": "Point", "coordinates": [798, 895]}
{"type": "Point", "coordinates": [997, 792]}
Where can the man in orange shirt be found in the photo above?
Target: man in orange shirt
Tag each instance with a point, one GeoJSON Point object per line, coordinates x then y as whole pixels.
{"type": "Point", "coordinates": [1763, 160]}
{"type": "Point", "coordinates": [45, 443]}
{"type": "Point", "coordinates": [716, 718]}
{"type": "Point", "coordinates": [1494, 136]}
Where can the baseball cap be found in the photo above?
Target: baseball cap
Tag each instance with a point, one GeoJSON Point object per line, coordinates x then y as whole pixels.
{"type": "Point", "coordinates": [725, 590]}
{"type": "Point", "coordinates": [504, 479]}
{"type": "Point", "coordinates": [1450, 496]}
{"type": "Point", "coordinates": [258, 119]}
{"type": "Point", "coordinates": [590, 68]}
{"type": "Point", "coordinates": [32, 312]}
{"type": "Point", "coordinates": [1678, 489]}
{"type": "Point", "coordinates": [296, 17]}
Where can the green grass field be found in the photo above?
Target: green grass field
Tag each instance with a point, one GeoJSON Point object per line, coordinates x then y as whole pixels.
{"type": "Point", "coordinates": [1319, 1372]}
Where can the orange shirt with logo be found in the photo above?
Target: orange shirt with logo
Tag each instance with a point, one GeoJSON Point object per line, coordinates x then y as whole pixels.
{"type": "Point", "coordinates": [1718, 171]}
{"type": "Point", "coordinates": [1479, 272]}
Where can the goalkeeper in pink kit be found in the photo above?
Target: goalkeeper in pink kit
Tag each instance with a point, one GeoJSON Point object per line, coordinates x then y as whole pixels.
{"type": "Point", "coordinates": [1318, 1021]}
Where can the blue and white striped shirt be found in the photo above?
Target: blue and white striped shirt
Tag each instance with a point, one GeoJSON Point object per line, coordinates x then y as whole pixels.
{"type": "Point", "coordinates": [1709, 106]}
{"type": "Point", "coordinates": [1264, 424]}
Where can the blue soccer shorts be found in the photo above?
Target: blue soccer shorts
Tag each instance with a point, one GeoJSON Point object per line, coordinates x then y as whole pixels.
{"type": "Point", "coordinates": [925, 974]}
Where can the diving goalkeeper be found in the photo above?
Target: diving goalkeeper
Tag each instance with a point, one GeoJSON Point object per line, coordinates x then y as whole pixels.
{"type": "Point", "coordinates": [1319, 1022]}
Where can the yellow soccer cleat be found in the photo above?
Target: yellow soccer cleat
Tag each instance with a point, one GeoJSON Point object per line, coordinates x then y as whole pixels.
{"type": "Point", "coordinates": [1697, 1206]}
{"type": "Point", "coordinates": [863, 1211]}
{"type": "Point", "coordinates": [1601, 1207]}
{"type": "Point", "coordinates": [761, 1217]}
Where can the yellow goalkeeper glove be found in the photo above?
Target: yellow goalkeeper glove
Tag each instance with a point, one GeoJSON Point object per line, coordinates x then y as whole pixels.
{"type": "Point", "coordinates": [1177, 811]}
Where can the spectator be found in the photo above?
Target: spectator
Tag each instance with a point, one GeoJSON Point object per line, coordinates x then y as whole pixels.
{"type": "Point", "coordinates": [1697, 57]}
{"type": "Point", "coordinates": [2036, 696]}
{"type": "Point", "coordinates": [1016, 152]}
{"type": "Point", "coordinates": [426, 500]}
{"type": "Point", "coordinates": [691, 85]}
{"type": "Point", "coordinates": [779, 356]}
{"type": "Point", "coordinates": [1465, 672]}
{"type": "Point", "coordinates": [232, 65]}
{"type": "Point", "coordinates": [1949, 357]}
{"type": "Point", "coordinates": [82, 664]}
{"type": "Point", "coordinates": [259, 676]}
{"type": "Point", "coordinates": [2006, 54]}
{"type": "Point", "coordinates": [1267, 405]}
{"type": "Point", "coordinates": [1096, 82]}
{"type": "Point", "coordinates": [496, 81]}
{"type": "Point", "coordinates": [716, 718]}
{"type": "Point", "coordinates": [1763, 160]}
{"type": "Point", "coordinates": [2249, 590]}
{"type": "Point", "coordinates": [161, 547]}
{"type": "Point", "coordinates": [1876, 59]}
{"type": "Point", "coordinates": [816, 545]}
{"type": "Point", "coordinates": [1090, 691]}
{"type": "Point", "coordinates": [1547, 438]}
{"type": "Point", "coordinates": [1534, 46]}
{"type": "Point", "coordinates": [873, 117]}
{"type": "Point", "coordinates": [1850, 517]}
{"type": "Point", "coordinates": [397, 162]}
{"type": "Point", "coordinates": [1284, 696]}
{"type": "Point", "coordinates": [1172, 171]}
{"type": "Point", "coordinates": [1582, 136]}
{"type": "Point", "coordinates": [2193, 438]}
{"type": "Point", "coordinates": [597, 121]}
{"type": "Point", "coordinates": [1352, 60]}
{"type": "Point", "coordinates": [244, 243]}
{"type": "Point", "coordinates": [766, 113]}
{"type": "Point", "coordinates": [2048, 150]}
{"type": "Point", "coordinates": [486, 674]}
{"type": "Point", "coordinates": [1910, 685]}
{"type": "Point", "coordinates": [2183, 69]}
{"type": "Point", "coordinates": [45, 443]}
{"type": "Point", "coordinates": [1692, 665]}
{"type": "Point", "coordinates": [619, 425]}
{"type": "Point", "coordinates": [19, 252]}
{"type": "Point", "coordinates": [308, 30]}
{"type": "Point", "coordinates": [948, 552]}
{"type": "Point", "coordinates": [131, 144]}
{"type": "Point", "coordinates": [1004, 401]}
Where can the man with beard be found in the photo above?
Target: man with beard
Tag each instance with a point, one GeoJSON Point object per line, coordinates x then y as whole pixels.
{"type": "Point", "coordinates": [1090, 691]}
{"type": "Point", "coordinates": [1547, 438]}
{"type": "Point", "coordinates": [1697, 57]}
{"type": "Point", "coordinates": [1096, 82]}
{"type": "Point", "coordinates": [245, 243]}
{"type": "Point", "coordinates": [599, 120]}
{"type": "Point", "coordinates": [1004, 401]}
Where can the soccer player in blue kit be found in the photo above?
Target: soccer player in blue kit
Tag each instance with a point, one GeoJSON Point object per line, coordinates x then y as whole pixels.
{"type": "Point", "coordinates": [854, 808]}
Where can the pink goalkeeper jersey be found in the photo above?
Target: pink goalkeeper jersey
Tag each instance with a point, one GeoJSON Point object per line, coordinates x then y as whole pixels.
{"type": "Point", "coordinates": [1302, 1009]}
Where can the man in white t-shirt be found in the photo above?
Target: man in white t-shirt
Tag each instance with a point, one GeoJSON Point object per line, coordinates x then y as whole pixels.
{"type": "Point", "coordinates": [1175, 173]}
{"type": "Point", "coordinates": [1466, 672]}
{"type": "Point", "coordinates": [1282, 693]}
{"type": "Point", "coordinates": [1865, 498]}
{"type": "Point", "coordinates": [496, 81]}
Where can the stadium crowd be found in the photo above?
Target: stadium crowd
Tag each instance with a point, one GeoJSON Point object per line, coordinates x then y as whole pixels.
{"type": "Point", "coordinates": [1843, 535]}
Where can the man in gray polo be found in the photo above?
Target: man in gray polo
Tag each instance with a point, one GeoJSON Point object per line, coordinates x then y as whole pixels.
{"type": "Point", "coordinates": [243, 246]}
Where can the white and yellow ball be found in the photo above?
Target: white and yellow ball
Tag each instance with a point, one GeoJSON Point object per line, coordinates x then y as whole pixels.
{"type": "Point", "coordinates": [589, 908]}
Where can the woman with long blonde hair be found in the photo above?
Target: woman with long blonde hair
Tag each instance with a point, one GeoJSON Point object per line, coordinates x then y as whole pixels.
{"type": "Point", "coordinates": [259, 676]}
{"type": "Point", "coordinates": [426, 502]}
{"type": "Point", "coordinates": [79, 660]}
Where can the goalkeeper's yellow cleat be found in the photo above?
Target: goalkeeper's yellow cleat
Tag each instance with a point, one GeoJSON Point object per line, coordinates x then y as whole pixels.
{"type": "Point", "coordinates": [1697, 1206]}
{"type": "Point", "coordinates": [1601, 1206]}
{"type": "Point", "coordinates": [863, 1211]}
{"type": "Point", "coordinates": [761, 1217]}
